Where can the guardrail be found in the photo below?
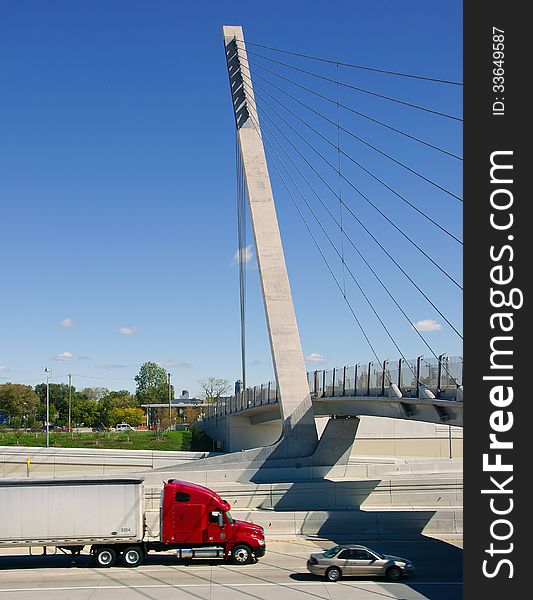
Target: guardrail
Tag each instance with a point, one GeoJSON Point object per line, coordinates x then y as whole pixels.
{"type": "Point", "coordinates": [442, 376]}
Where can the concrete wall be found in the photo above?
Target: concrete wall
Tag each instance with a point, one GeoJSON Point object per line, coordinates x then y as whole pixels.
{"type": "Point", "coordinates": [345, 524]}
{"type": "Point", "coordinates": [379, 436]}
{"type": "Point", "coordinates": [242, 435]}
{"type": "Point", "coordinates": [376, 436]}
{"type": "Point", "coordinates": [62, 461]}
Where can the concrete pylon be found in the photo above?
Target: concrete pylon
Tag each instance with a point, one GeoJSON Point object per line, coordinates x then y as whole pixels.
{"type": "Point", "coordinates": [299, 435]}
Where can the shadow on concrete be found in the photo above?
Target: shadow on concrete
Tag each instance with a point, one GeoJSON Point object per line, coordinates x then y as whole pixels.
{"type": "Point", "coordinates": [281, 462]}
{"type": "Point", "coordinates": [317, 495]}
{"type": "Point", "coordinates": [51, 561]}
{"type": "Point", "coordinates": [438, 566]}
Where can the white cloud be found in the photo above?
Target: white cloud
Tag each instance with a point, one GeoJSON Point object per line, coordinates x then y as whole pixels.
{"type": "Point", "coordinates": [3, 369]}
{"type": "Point", "coordinates": [314, 357]}
{"type": "Point", "coordinates": [427, 325]}
{"type": "Point", "coordinates": [176, 364]}
{"type": "Point", "coordinates": [67, 324]}
{"type": "Point", "coordinates": [67, 356]}
{"type": "Point", "coordinates": [110, 366]}
{"type": "Point", "coordinates": [128, 330]}
{"type": "Point", "coordinates": [244, 255]}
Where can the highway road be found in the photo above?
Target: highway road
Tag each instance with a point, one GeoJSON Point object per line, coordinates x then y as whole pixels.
{"type": "Point", "coordinates": [281, 575]}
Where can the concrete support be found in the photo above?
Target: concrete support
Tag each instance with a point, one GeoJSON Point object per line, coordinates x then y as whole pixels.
{"type": "Point", "coordinates": [299, 435]}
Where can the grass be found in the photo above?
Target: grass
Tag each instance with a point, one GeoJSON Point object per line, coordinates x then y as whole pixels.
{"type": "Point", "coordinates": [134, 440]}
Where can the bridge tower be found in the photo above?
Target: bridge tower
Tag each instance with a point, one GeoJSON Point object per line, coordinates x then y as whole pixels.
{"type": "Point", "coordinates": [299, 434]}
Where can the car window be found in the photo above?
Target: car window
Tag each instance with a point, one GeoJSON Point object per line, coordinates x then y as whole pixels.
{"type": "Point", "coordinates": [361, 555]}
{"type": "Point", "coordinates": [332, 552]}
{"type": "Point", "coordinates": [355, 554]}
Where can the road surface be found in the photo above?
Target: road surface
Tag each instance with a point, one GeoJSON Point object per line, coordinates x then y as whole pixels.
{"type": "Point", "coordinates": [280, 575]}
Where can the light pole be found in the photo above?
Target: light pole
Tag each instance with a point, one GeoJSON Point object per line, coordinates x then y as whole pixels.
{"type": "Point", "coordinates": [47, 371]}
{"type": "Point", "coordinates": [450, 445]}
{"type": "Point", "coordinates": [69, 403]}
{"type": "Point", "coordinates": [169, 400]}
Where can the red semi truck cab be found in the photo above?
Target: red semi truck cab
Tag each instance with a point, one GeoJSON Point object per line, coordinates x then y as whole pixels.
{"type": "Point", "coordinates": [194, 516]}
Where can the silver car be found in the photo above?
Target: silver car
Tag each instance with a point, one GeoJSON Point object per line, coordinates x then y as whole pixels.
{"type": "Point", "coordinates": [358, 560]}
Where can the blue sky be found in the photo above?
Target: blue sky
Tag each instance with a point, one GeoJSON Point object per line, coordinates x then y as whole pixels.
{"type": "Point", "coordinates": [117, 185]}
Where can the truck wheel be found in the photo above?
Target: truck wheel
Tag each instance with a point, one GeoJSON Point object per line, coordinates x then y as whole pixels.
{"type": "Point", "coordinates": [133, 556]}
{"type": "Point", "coordinates": [241, 554]}
{"type": "Point", "coordinates": [106, 557]}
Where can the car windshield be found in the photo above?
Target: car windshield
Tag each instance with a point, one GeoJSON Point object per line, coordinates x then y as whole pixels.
{"type": "Point", "coordinates": [332, 552]}
{"type": "Point", "coordinates": [229, 517]}
{"type": "Point", "coordinates": [377, 554]}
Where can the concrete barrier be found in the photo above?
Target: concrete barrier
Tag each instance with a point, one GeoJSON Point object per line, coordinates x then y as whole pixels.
{"type": "Point", "coordinates": [402, 491]}
{"type": "Point", "coordinates": [347, 524]}
{"type": "Point", "coordinates": [52, 461]}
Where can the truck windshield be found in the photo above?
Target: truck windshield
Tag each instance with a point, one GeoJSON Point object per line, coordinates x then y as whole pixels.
{"type": "Point", "coordinates": [229, 517]}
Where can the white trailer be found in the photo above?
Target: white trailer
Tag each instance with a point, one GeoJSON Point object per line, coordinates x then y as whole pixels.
{"type": "Point", "coordinates": [108, 514]}
{"type": "Point", "coordinates": [70, 513]}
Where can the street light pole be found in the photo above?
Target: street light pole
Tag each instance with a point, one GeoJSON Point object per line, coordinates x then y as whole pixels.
{"type": "Point", "coordinates": [69, 403]}
{"type": "Point", "coordinates": [169, 400]}
{"type": "Point", "coordinates": [47, 371]}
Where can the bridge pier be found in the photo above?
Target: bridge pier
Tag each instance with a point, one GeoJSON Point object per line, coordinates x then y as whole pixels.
{"type": "Point", "coordinates": [332, 452]}
{"type": "Point", "coordinates": [298, 431]}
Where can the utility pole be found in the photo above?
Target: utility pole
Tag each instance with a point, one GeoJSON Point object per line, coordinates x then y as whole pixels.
{"type": "Point", "coordinates": [69, 402]}
{"type": "Point", "coordinates": [169, 398]}
{"type": "Point", "coordinates": [47, 371]}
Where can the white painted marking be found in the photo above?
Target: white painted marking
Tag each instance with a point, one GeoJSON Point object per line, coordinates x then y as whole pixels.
{"type": "Point", "coordinates": [236, 585]}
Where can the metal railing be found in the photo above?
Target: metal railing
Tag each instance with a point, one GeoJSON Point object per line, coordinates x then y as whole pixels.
{"type": "Point", "coordinates": [442, 376]}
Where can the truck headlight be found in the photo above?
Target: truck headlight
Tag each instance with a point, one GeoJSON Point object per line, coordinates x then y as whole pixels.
{"type": "Point", "coordinates": [261, 542]}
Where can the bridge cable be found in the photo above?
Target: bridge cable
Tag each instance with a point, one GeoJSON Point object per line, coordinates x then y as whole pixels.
{"type": "Point", "coordinates": [362, 167]}
{"type": "Point", "coordinates": [335, 278]}
{"type": "Point", "coordinates": [353, 66]}
{"type": "Point", "coordinates": [352, 243]}
{"type": "Point", "coordinates": [355, 279]}
{"type": "Point", "coordinates": [350, 271]}
{"type": "Point", "coordinates": [339, 166]}
{"type": "Point", "coordinates": [363, 141]}
{"type": "Point", "coordinates": [358, 89]}
{"type": "Point", "coordinates": [338, 284]}
{"type": "Point", "coordinates": [356, 112]}
{"type": "Point", "coordinates": [364, 197]}
{"type": "Point", "coordinates": [367, 200]}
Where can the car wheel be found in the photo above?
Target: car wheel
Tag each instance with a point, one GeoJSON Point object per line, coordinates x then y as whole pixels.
{"type": "Point", "coordinates": [133, 556]}
{"type": "Point", "coordinates": [333, 574]}
{"type": "Point", "coordinates": [106, 557]}
{"type": "Point", "coordinates": [241, 554]}
{"type": "Point", "coordinates": [394, 573]}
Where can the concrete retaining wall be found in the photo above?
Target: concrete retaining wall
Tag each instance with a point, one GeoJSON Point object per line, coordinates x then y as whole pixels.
{"type": "Point", "coordinates": [62, 461]}
{"type": "Point", "coordinates": [346, 524]}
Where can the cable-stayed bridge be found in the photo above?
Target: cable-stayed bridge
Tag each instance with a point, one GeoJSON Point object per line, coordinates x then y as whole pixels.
{"type": "Point", "coordinates": [385, 222]}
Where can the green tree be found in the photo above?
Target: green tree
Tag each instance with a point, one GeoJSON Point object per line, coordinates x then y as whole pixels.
{"type": "Point", "coordinates": [152, 384]}
{"type": "Point", "coordinates": [84, 411]}
{"type": "Point", "coordinates": [132, 416]}
{"type": "Point", "coordinates": [19, 403]}
{"type": "Point", "coordinates": [59, 399]}
{"type": "Point", "coordinates": [115, 399]}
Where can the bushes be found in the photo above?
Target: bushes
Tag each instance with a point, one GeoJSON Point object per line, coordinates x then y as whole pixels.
{"type": "Point", "coordinates": [200, 441]}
